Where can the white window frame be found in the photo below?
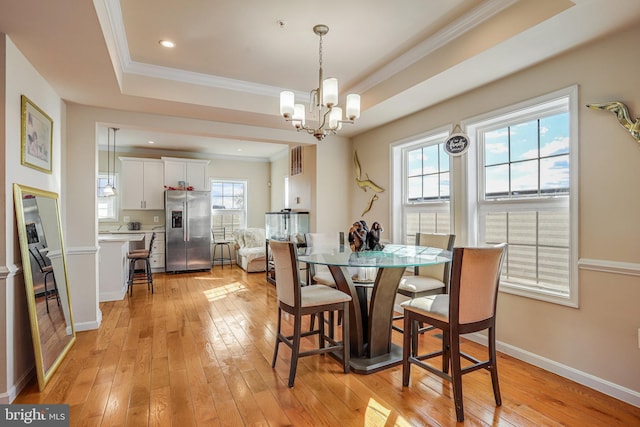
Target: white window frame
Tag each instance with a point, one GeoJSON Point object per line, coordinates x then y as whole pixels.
{"type": "Point", "coordinates": [113, 200]}
{"type": "Point", "coordinates": [399, 152]}
{"type": "Point", "coordinates": [565, 100]}
{"type": "Point", "coordinates": [242, 212]}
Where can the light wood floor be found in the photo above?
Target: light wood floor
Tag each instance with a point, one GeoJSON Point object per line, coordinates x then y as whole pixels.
{"type": "Point", "coordinates": [198, 352]}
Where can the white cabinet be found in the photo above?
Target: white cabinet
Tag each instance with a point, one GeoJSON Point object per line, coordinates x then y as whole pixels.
{"type": "Point", "coordinates": [190, 171]}
{"type": "Point", "coordinates": [157, 251]}
{"type": "Point", "coordinates": [141, 183]}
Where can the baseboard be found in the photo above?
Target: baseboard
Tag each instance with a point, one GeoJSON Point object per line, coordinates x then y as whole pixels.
{"type": "Point", "coordinates": [89, 326]}
{"type": "Point", "coordinates": [619, 392]}
{"type": "Point", "coordinates": [114, 295]}
{"type": "Point", "coordinates": [14, 390]}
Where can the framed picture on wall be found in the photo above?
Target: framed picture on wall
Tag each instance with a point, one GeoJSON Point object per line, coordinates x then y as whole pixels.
{"type": "Point", "coordinates": [36, 137]}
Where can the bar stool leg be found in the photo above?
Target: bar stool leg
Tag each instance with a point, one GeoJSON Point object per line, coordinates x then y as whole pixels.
{"type": "Point", "coordinates": [132, 266]}
{"type": "Point", "coordinates": [149, 276]}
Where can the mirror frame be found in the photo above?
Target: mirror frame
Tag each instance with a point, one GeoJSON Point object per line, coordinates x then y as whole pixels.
{"type": "Point", "coordinates": [18, 192]}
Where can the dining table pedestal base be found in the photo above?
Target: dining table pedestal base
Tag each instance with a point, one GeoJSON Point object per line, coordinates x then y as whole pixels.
{"type": "Point", "coordinates": [374, 364]}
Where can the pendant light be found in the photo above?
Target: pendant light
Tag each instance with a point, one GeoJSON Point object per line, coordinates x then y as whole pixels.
{"type": "Point", "coordinates": [110, 189]}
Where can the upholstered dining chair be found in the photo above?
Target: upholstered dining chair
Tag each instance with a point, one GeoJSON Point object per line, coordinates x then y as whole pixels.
{"type": "Point", "coordinates": [300, 301]}
{"type": "Point", "coordinates": [46, 269]}
{"type": "Point", "coordinates": [320, 274]}
{"type": "Point", "coordinates": [141, 255]}
{"type": "Point", "coordinates": [470, 306]}
{"type": "Point", "coordinates": [427, 280]}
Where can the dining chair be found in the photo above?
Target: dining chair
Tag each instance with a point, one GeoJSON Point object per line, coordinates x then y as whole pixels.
{"type": "Point", "coordinates": [470, 306]}
{"type": "Point", "coordinates": [46, 269]}
{"type": "Point", "coordinates": [300, 301]}
{"type": "Point", "coordinates": [320, 274]}
{"type": "Point", "coordinates": [431, 279]}
{"type": "Point", "coordinates": [141, 255]}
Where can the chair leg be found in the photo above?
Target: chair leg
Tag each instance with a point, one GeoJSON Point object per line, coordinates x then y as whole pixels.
{"type": "Point", "coordinates": [494, 366]}
{"type": "Point", "coordinates": [275, 350]}
{"type": "Point", "coordinates": [149, 275]}
{"type": "Point", "coordinates": [55, 288]}
{"type": "Point", "coordinates": [132, 266]}
{"type": "Point", "coordinates": [456, 375]}
{"type": "Point", "coordinates": [46, 293]}
{"type": "Point", "coordinates": [295, 350]}
{"type": "Point", "coordinates": [446, 351]}
{"type": "Point", "coordinates": [407, 349]}
{"type": "Point", "coordinates": [346, 343]}
{"type": "Point", "coordinates": [321, 335]}
{"type": "Point", "coordinates": [332, 328]}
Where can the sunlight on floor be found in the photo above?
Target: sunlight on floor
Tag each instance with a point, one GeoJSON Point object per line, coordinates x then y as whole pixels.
{"type": "Point", "coordinates": [378, 415]}
{"type": "Point", "coordinates": [222, 291]}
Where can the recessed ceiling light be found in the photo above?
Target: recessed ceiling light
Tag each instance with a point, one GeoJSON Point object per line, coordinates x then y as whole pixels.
{"type": "Point", "coordinates": [150, 142]}
{"type": "Point", "coordinates": [167, 43]}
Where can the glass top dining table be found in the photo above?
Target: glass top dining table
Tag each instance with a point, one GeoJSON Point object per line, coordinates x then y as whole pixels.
{"type": "Point", "coordinates": [370, 321]}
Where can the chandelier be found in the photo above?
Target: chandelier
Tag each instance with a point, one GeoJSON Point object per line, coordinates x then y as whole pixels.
{"type": "Point", "coordinates": [323, 104]}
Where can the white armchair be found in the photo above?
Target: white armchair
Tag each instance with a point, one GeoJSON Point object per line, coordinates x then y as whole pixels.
{"type": "Point", "coordinates": [250, 249]}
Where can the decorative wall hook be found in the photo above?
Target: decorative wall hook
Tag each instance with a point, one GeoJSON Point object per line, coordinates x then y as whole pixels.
{"type": "Point", "coordinates": [622, 113]}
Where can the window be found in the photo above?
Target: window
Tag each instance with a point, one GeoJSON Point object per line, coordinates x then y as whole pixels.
{"type": "Point", "coordinates": [228, 206]}
{"type": "Point", "coordinates": [424, 170]}
{"type": "Point", "coordinates": [526, 194]}
{"type": "Point", "coordinates": [107, 206]}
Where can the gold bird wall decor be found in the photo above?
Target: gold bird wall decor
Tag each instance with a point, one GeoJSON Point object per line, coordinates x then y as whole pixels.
{"type": "Point", "coordinates": [365, 184]}
{"type": "Point", "coordinates": [622, 114]}
{"type": "Point", "coordinates": [370, 204]}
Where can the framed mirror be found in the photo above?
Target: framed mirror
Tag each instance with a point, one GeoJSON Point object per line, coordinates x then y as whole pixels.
{"type": "Point", "coordinates": [45, 276]}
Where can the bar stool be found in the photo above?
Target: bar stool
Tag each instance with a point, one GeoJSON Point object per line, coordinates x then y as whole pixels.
{"type": "Point", "coordinates": [140, 255]}
{"type": "Point", "coordinates": [222, 244]}
{"type": "Point", "coordinates": [46, 270]}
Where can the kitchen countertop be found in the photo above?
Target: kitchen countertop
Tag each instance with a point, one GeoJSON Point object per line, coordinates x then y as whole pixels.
{"type": "Point", "coordinates": [120, 237]}
{"type": "Point", "coordinates": [123, 229]}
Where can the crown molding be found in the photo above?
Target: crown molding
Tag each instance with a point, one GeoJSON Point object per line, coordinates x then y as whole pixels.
{"type": "Point", "coordinates": [451, 32]}
{"type": "Point", "coordinates": [116, 32]}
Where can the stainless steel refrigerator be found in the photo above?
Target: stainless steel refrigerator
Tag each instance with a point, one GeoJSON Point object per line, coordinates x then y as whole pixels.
{"type": "Point", "coordinates": [187, 230]}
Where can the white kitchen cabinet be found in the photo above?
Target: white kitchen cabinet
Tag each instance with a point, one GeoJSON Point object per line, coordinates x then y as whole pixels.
{"type": "Point", "coordinates": [141, 183]}
{"type": "Point", "coordinates": [157, 251]}
{"type": "Point", "coordinates": [192, 172]}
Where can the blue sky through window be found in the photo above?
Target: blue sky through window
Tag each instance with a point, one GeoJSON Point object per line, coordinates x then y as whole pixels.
{"type": "Point", "coordinates": [528, 158]}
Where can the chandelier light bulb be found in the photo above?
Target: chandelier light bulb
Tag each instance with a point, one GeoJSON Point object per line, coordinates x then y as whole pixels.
{"type": "Point", "coordinates": [334, 118]}
{"type": "Point", "coordinates": [330, 92]}
{"type": "Point", "coordinates": [353, 106]}
{"type": "Point", "coordinates": [287, 104]}
{"type": "Point", "coordinates": [298, 116]}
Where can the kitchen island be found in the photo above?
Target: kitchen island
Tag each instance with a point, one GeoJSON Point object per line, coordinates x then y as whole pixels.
{"type": "Point", "coordinates": [114, 266]}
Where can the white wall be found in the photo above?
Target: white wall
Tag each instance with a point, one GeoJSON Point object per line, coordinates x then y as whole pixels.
{"type": "Point", "coordinates": [279, 170]}
{"type": "Point", "coordinates": [257, 174]}
{"type": "Point", "coordinates": [596, 344]}
{"type": "Point", "coordinates": [334, 185]}
{"type": "Point", "coordinates": [19, 77]}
